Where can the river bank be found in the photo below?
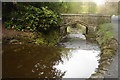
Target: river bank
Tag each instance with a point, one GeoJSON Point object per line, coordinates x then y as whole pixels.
{"type": "Point", "coordinates": [108, 45]}
{"type": "Point", "coordinates": [11, 36]}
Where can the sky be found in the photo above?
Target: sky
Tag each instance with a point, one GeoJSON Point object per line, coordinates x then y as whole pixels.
{"type": "Point", "coordinates": [98, 2]}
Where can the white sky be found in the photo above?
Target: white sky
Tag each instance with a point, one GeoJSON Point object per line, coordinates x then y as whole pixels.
{"type": "Point", "coordinates": [99, 2]}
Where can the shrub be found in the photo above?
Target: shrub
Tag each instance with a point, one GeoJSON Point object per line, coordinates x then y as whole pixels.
{"type": "Point", "coordinates": [34, 19]}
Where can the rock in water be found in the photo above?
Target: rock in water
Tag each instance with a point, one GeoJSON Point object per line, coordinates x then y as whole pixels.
{"type": "Point", "coordinates": [14, 41]}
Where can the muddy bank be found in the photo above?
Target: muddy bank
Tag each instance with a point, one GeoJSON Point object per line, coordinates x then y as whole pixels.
{"type": "Point", "coordinates": [18, 37]}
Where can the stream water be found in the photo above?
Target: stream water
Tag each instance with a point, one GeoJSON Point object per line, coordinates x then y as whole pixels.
{"type": "Point", "coordinates": [77, 59]}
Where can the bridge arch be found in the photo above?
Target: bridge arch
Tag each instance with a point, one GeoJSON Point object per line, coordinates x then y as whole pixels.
{"type": "Point", "coordinates": [88, 20]}
{"type": "Point", "coordinates": [74, 24]}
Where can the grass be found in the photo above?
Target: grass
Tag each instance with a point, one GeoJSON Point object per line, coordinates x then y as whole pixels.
{"type": "Point", "coordinates": [105, 33]}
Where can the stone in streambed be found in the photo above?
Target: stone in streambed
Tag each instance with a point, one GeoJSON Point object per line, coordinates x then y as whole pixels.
{"type": "Point", "coordinates": [97, 75]}
{"type": "Point", "coordinates": [14, 41]}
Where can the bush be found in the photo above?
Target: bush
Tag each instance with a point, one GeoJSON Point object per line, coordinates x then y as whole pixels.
{"type": "Point", "coordinates": [48, 39]}
{"type": "Point", "coordinates": [34, 19]}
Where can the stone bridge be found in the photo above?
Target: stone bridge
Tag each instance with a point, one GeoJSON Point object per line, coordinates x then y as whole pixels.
{"type": "Point", "coordinates": [88, 20]}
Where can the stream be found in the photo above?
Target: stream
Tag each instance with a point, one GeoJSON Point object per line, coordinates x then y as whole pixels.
{"type": "Point", "coordinates": [77, 59]}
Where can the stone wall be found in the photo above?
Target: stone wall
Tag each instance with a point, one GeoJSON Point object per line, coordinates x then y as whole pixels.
{"type": "Point", "coordinates": [87, 19]}
{"type": "Point", "coordinates": [90, 21]}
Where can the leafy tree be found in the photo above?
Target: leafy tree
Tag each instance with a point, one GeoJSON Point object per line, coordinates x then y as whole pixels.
{"type": "Point", "coordinates": [109, 8]}
{"type": "Point", "coordinates": [92, 7]}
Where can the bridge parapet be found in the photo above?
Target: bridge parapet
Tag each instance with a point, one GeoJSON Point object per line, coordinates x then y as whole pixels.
{"type": "Point", "coordinates": [89, 19]}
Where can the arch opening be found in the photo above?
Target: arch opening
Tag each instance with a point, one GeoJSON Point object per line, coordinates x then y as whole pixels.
{"type": "Point", "coordinates": [77, 27]}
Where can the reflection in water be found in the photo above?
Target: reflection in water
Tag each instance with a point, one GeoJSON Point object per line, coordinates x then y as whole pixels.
{"type": "Point", "coordinates": [81, 65]}
{"type": "Point", "coordinates": [33, 61]}
{"type": "Point", "coordinates": [23, 61]}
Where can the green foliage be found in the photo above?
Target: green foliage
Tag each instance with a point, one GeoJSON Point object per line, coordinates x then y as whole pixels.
{"type": "Point", "coordinates": [52, 40]}
{"type": "Point", "coordinates": [40, 18]}
{"type": "Point", "coordinates": [79, 7]}
{"type": "Point", "coordinates": [49, 39]}
{"type": "Point", "coordinates": [8, 24]}
{"type": "Point", "coordinates": [109, 8]}
{"type": "Point", "coordinates": [105, 33]}
{"type": "Point", "coordinates": [34, 19]}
